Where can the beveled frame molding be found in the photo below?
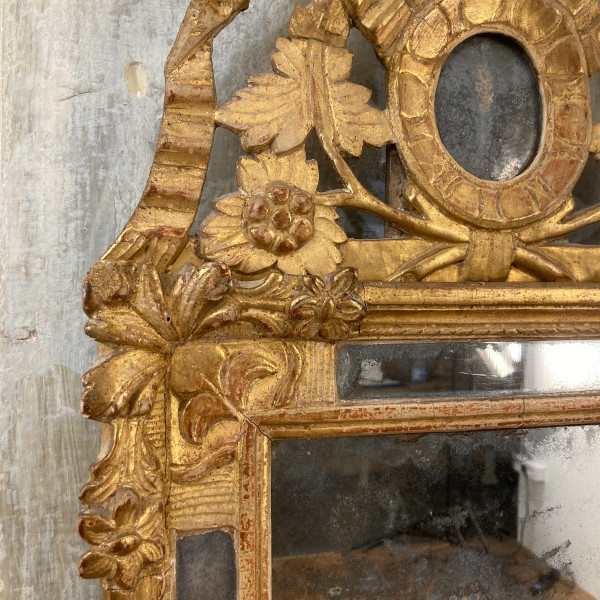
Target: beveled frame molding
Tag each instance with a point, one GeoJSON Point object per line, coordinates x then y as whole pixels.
{"type": "Point", "coordinates": [212, 346]}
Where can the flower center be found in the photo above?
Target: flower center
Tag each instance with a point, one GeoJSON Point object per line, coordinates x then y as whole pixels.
{"type": "Point", "coordinates": [279, 219]}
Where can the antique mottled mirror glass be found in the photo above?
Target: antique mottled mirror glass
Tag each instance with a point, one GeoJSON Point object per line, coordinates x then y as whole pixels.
{"type": "Point", "coordinates": [485, 515]}
{"type": "Point", "coordinates": [486, 83]}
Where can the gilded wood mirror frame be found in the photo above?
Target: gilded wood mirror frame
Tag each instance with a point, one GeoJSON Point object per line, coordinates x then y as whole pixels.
{"type": "Point", "coordinates": [213, 345]}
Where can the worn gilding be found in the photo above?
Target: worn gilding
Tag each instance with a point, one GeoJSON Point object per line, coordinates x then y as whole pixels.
{"type": "Point", "coordinates": [213, 344]}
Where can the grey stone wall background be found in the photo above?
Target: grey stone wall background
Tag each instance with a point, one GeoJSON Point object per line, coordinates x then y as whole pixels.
{"type": "Point", "coordinates": [81, 102]}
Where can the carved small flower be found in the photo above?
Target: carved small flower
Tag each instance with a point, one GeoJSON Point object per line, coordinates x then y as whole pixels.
{"type": "Point", "coordinates": [329, 306]}
{"type": "Point", "coordinates": [276, 218]}
{"type": "Point", "coordinates": [125, 541]}
{"type": "Point", "coordinates": [133, 310]}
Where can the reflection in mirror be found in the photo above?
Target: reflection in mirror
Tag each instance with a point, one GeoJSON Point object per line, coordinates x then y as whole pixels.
{"type": "Point", "coordinates": [488, 108]}
{"type": "Point", "coordinates": [389, 370]}
{"type": "Point", "coordinates": [206, 567]}
{"type": "Point", "coordinates": [477, 516]}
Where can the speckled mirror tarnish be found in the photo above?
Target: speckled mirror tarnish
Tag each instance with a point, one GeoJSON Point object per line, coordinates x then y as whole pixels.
{"type": "Point", "coordinates": [206, 567]}
{"type": "Point", "coordinates": [488, 108]}
{"type": "Point", "coordinates": [217, 344]}
{"type": "Point", "coordinates": [479, 515]}
{"type": "Point", "coordinates": [458, 369]}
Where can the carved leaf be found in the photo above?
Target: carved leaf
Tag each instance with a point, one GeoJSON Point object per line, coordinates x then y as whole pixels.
{"type": "Point", "coordinates": [122, 325]}
{"type": "Point", "coordinates": [107, 282]}
{"type": "Point", "coordinates": [273, 323]}
{"type": "Point", "coordinates": [195, 292]}
{"type": "Point", "coordinates": [131, 459]}
{"type": "Point", "coordinates": [122, 385]}
{"type": "Point", "coordinates": [310, 92]}
{"type": "Point", "coordinates": [198, 414]}
{"type": "Point", "coordinates": [323, 20]}
{"type": "Point", "coordinates": [292, 373]}
{"type": "Point", "coordinates": [355, 121]}
{"type": "Point", "coordinates": [240, 372]}
{"type": "Point", "coordinates": [150, 302]}
{"type": "Point", "coordinates": [274, 107]}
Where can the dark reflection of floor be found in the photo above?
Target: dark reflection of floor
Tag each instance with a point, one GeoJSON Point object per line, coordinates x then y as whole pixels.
{"type": "Point", "coordinates": [422, 570]}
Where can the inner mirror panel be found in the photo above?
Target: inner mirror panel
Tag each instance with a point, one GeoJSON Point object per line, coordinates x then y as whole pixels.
{"type": "Point", "coordinates": [477, 516]}
{"type": "Point", "coordinates": [488, 107]}
{"type": "Point", "coordinates": [473, 369]}
{"type": "Point", "coordinates": [206, 567]}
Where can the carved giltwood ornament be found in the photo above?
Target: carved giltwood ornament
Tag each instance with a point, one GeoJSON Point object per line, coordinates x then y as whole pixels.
{"type": "Point", "coordinates": [213, 343]}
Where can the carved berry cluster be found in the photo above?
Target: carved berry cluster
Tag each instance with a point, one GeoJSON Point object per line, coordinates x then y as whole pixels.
{"type": "Point", "coordinates": [279, 219]}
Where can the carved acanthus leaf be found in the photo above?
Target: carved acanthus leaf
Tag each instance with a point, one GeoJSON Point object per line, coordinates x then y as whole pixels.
{"type": "Point", "coordinates": [131, 461]}
{"type": "Point", "coordinates": [323, 20]}
{"type": "Point", "coordinates": [132, 309]}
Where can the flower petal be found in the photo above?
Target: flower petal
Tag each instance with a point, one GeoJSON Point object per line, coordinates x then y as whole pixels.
{"type": "Point", "coordinates": [94, 528]}
{"type": "Point", "coordinates": [330, 230]}
{"type": "Point", "coordinates": [151, 551]}
{"type": "Point", "coordinates": [323, 211]}
{"type": "Point", "coordinates": [251, 175]}
{"type": "Point", "coordinates": [267, 167]}
{"type": "Point", "coordinates": [293, 264]}
{"type": "Point", "coordinates": [231, 251]}
{"type": "Point", "coordinates": [335, 330]}
{"type": "Point", "coordinates": [128, 570]}
{"type": "Point", "coordinates": [308, 329]}
{"type": "Point", "coordinates": [231, 205]}
{"type": "Point", "coordinates": [256, 260]}
{"type": "Point", "coordinates": [96, 564]}
{"type": "Point", "coordinates": [217, 224]}
{"type": "Point", "coordinates": [350, 309]}
{"type": "Point", "coordinates": [314, 284]}
{"type": "Point", "coordinates": [304, 307]}
{"type": "Point", "coordinates": [343, 281]}
{"type": "Point", "coordinates": [319, 256]}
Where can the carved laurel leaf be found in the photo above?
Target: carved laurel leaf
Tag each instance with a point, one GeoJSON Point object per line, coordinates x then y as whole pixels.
{"type": "Point", "coordinates": [310, 92]}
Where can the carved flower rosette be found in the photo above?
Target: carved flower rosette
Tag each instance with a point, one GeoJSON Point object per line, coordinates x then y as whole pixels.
{"type": "Point", "coordinates": [276, 220]}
